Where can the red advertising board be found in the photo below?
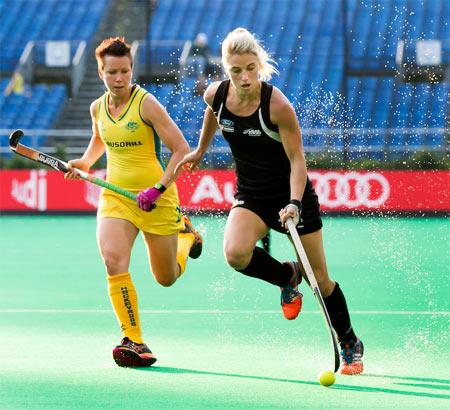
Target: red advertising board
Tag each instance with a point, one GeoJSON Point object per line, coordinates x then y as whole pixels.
{"type": "Point", "coordinates": [341, 191]}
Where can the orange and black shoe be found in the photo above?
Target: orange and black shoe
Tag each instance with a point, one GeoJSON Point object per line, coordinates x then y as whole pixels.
{"type": "Point", "coordinates": [351, 354]}
{"type": "Point", "coordinates": [130, 354]}
{"type": "Point", "coordinates": [291, 298]}
{"type": "Point", "coordinates": [197, 247]}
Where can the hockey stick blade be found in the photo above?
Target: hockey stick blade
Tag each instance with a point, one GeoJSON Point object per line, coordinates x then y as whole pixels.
{"type": "Point", "coordinates": [14, 139]}
{"type": "Point", "coordinates": [314, 286]}
{"type": "Point", "coordinates": [33, 154]}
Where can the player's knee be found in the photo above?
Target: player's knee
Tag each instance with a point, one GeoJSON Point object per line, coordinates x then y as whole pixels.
{"type": "Point", "coordinates": [236, 257]}
{"type": "Point", "coordinates": [112, 261]}
{"type": "Point", "coordinates": [167, 276]}
{"type": "Point", "coordinates": [326, 285]}
{"type": "Point", "coordinates": [166, 281]}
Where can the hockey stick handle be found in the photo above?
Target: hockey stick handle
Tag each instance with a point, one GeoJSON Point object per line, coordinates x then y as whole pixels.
{"type": "Point", "coordinates": [100, 182]}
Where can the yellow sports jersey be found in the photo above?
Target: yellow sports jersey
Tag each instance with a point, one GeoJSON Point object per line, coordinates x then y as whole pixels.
{"type": "Point", "coordinates": [133, 147]}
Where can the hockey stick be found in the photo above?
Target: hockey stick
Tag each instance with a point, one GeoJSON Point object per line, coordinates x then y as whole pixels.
{"type": "Point", "coordinates": [59, 165]}
{"type": "Point", "coordinates": [315, 288]}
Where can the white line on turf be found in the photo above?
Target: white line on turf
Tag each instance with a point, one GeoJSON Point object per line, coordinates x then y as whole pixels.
{"type": "Point", "coordinates": [220, 312]}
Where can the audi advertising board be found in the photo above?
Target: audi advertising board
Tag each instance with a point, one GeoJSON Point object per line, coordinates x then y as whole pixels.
{"type": "Point", "coordinates": [338, 191]}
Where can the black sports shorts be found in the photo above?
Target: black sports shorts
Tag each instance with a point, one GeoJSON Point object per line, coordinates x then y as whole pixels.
{"type": "Point", "coordinates": [268, 210]}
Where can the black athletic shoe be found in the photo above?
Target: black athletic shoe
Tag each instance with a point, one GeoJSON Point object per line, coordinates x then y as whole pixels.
{"type": "Point", "coordinates": [130, 354]}
{"type": "Point", "coordinates": [351, 354]}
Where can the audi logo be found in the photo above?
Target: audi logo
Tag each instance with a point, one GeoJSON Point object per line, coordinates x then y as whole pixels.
{"type": "Point", "coordinates": [350, 189]}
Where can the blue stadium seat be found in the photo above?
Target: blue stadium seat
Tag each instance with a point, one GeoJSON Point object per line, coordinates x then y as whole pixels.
{"type": "Point", "coordinates": [307, 42]}
{"type": "Point", "coordinates": [45, 20]}
{"type": "Point", "coordinates": [37, 110]}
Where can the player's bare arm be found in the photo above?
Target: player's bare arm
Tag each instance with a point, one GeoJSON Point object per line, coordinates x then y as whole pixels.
{"type": "Point", "coordinates": [283, 114]}
{"type": "Point", "coordinates": [156, 115]}
{"type": "Point", "coordinates": [94, 151]}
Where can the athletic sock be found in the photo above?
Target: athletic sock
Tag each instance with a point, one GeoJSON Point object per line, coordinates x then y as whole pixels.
{"type": "Point", "coordinates": [124, 302]}
{"type": "Point", "coordinates": [185, 242]}
{"type": "Point", "coordinates": [339, 316]}
{"type": "Point", "coordinates": [264, 267]}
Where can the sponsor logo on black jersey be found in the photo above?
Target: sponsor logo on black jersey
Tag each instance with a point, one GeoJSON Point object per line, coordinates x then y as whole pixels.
{"type": "Point", "coordinates": [252, 133]}
{"type": "Point", "coordinates": [123, 144]}
{"type": "Point", "coordinates": [237, 202]}
{"type": "Point", "coordinates": [226, 125]}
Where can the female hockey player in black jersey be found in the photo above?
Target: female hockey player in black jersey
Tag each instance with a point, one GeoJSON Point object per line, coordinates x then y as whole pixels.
{"type": "Point", "coordinates": [263, 132]}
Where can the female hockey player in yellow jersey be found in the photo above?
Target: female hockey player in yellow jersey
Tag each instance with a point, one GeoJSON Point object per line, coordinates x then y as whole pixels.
{"type": "Point", "coordinates": [130, 124]}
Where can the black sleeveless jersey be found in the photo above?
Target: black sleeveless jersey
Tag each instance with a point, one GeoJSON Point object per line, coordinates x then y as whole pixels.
{"type": "Point", "coordinates": [262, 166]}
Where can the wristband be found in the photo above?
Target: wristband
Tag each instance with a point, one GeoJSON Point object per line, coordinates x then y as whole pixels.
{"type": "Point", "coordinates": [160, 187]}
{"type": "Point", "coordinates": [297, 203]}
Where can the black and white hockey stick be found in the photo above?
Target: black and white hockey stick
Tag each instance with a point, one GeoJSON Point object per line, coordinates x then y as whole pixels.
{"type": "Point", "coordinates": [59, 165]}
{"type": "Point", "coordinates": [315, 288]}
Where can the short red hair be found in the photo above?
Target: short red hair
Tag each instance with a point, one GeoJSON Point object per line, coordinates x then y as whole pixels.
{"type": "Point", "coordinates": [112, 47]}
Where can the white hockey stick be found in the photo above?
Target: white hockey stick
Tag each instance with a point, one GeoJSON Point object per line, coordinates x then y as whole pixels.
{"type": "Point", "coordinates": [315, 288]}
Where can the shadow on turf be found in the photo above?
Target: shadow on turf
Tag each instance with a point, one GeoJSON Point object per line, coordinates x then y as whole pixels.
{"type": "Point", "coordinates": [178, 370]}
{"type": "Point", "coordinates": [423, 382]}
{"type": "Point", "coordinates": [412, 379]}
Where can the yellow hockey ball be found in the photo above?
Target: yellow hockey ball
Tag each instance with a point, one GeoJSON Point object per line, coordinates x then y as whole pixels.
{"type": "Point", "coordinates": [327, 378]}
